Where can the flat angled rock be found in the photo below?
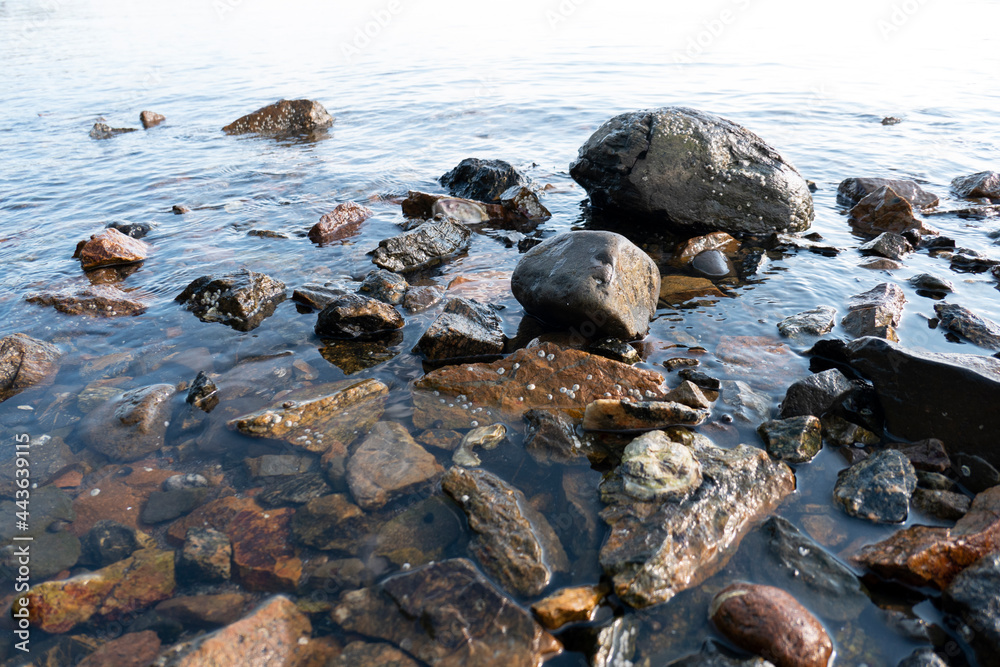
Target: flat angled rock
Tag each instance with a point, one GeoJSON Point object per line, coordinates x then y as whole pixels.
{"type": "Point", "coordinates": [464, 329]}
{"type": "Point", "coordinates": [110, 248]}
{"type": "Point", "coordinates": [962, 321]}
{"type": "Point", "coordinates": [342, 222]}
{"type": "Point", "coordinates": [875, 312]}
{"type": "Point", "coordinates": [816, 394]}
{"type": "Point", "coordinates": [355, 316]}
{"type": "Point", "coordinates": [887, 244]}
{"type": "Point", "coordinates": [615, 414]}
{"type": "Point", "coordinates": [96, 301]}
{"type": "Point", "coordinates": [885, 211]}
{"type": "Point", "coordinates": [984, 184]}
{"type": "Point", "coordinates": [427, 245]}
{"type": "Point", "coordinates": [877, 488]}
{"type": "Point", "coordinates": [852, 190]}
{"type": "Point", "coordinates": [130, 426]}
{"type": "Point", "coordinates": [388, 464]}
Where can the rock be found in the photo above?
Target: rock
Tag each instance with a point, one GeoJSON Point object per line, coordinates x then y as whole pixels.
{"type": "Point", "coordinates": [107, 594]}
{"type": "Point", "coordinates": [853, 190]}
{"type": "Point", "coordinates": [701, 380]}
{"type": "Point", "coordinates": [136, 230]}
{"type": "Point", "coordinates": [711, 656]}
{"type": "Point", "coordinates": [521, 204]}
{"type": "Point", "coordinates": [812, 242]}
{"type": "Point", "coordinates": [929, 455]}
{"type": "Point", "coordinates": [356, 315]}
{"type": "Point", "coordinates": [946, 505]}
{"type": "Point", "coordinates": [386, 286]}
{"type": "Point", "coordinates": [552, 438]}
{"type": "Point", "coordinates": [618, 414]}
{"type": "Point", "coordinates": [688, 250]}
{"type": "Point", "coordinates": [389, 464]}
{"type": "Point", "coordinates": [923, 657]}
{"type": "Point", "coordinates": [880, 264]}
{"type": "Point", "coordinates": [975, 473]}
{"type": "Point", "coordinates": [135, 649]}
{"type": "Point", "coordinates": [421, 534]}
{"type": "Point", "coordinates": [204, 611]}
{"type": "Point", "coordinates": [678, 289]}
{"type": "Point", "coordinates": [168, 505]}
{"type": "Point", "coordinates": [342, 222]}
{"type": "Point", "coordinates": [891, 120]}
{"type": "Point", "coordinates": [978, 330]}
{"type": "Point", "coordinates": [875, 312]}
{"type": "Point", "coordinates": [203, 393]}
{"type": "Point", "coordinates": [320, 419]}
{"type": "Point", "coordinates": [972, 599]}
{"type": "Point", "coordinates": [421, 297]}
{"type": "Point", "coordinates": [263, 554]}
{"type": "Point", "coordinates": [130, 427]}
{"type": "Point", "coordinates": [50, 458]}
{"type": "Point", "coordinates": [118, 495]}
{"type": "Point", "coordinates": [967, 260]}
{"type": "Point", "coordinates": [330, 523]}
{"type": "Point", "coordinates": [816, 394]}
{"type": "Point", "coordinates": [51, 553]}
{"type": "Point", "coordinates": [216, 514]}
{"type": "Point", "coordinates": [241, 300]}
{"type": "Point", "coordinates": [105, 131]}
{"type": "Point", "coordinates": [748, 405]}
{"type": "Point", "coordinates": [597, 282]}
{"type": "Point", "coordinates": [711, 263]}
{"type": "Point", "coordinates": [466, 211]}
{"type": "Point", "coordinates": [282, 118]}
{"type": "Point", "coordinates": [512, 541]}
{"type": "Point", "coordinates": [795, 439]}
{"type": "Point", "coordinates": [276, 633]}
{"type": "Point", "coordinates": [487, 437]}
{"type": "Point", "coordinates": [110, 248]}
{"type": "Point", "coordinates": [689, 394]}
{"type": "Point", "coordinates": [150, 119]}
{"type": "Point", "coordinates": [277, 465]}
{"type": "Point", "coordinates": [545, 376]}
{"type": "Point", "coordinates": [179, 209]}
{"type": "Point", "coordinates": [884, 211]}
{"type": "Point", "coordinates": [925, 395]}
{"type": "Point", "coordinates": [768, 621]}
{"type": "Point", "coordinates": [887, 244]}
{"type": "Point", "coordinates": [692, 170]}
{"type": "Point", "coordinates": [985, 184]}
{"type": "Point", "coordinates": [928, 285]}
{"type": "Point", "coordinates": [612, 348]}
{"type": "Point", "coordinates": [569, 605]}
{"type": "Point", "coordinates": [108, 542]}
{"type": "Point", "coordinates": [655, 468]}
{"type": "Point", "coordinates": [465, 329]}
{"type": "Point", "coordinates": [361, 654]}
{"type": "Point", "coordinates": [356, 355]}
{"type": "Point", "coordinates": [294, 490]}
{"type": "Point", "coordinates": [483, 180]}
{"type": "Point", "coordinates": [317, 296]}
{"type": "Point", "coordinates": [426, 246]}
{"type": "Point", "coordinates": [206, 556]}
{"type": "Point", "coordinates": [878, 488]}
{"type": "Point", "coordinates": [657, 549]}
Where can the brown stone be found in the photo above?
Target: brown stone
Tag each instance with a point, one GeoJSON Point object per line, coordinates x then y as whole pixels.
{"type": "Point", "coordinates": [136, 649]}
{"type": "Point", "coordinates": [263, 555]}
{"type": "Point", "coordinates": [875, 312]}
{"type": "Point", "coordinates": [615, 414]}
{"type": "Point", "coordinates": [330, 523]}
{"type": "Point", "coordinates": [885, 211]}
{"type": "Point", "coordinates": [343, 222]}
{"type": "Point", "coordinates": [111, 247]}
{"type": "Point", "coordinates": [207, 555]}
{"type": "Point", "coordinates": [203, 611]}
{"type": "Point", "coordinates": [544, 377]}
{"type": "Point", "coordinates": [678, 289]}
{"type": "Point", "coordinates": [24, 362]}
{"type": "Point", "coordinates": [763, 360]}
{"type": "Point", "coordinates": [440, 438]}
{"type": "Point", "coordinates": [771, 623]}
{"type": "Point", "coordinates": [929, 455]}
{"type": "Point", "coordinates": [691, 248]}
{"type": "Point", "coordinates": [216, 514]}
{"type": "Point", "coordinates": [569, 605]}
{"type": "Point", "coordinates": [96, 301]}
{"type": "Point", "coordinates": [933, 556]}
{"type": "Point", "coordinates": [689, 394]}
{"type": "Point", "coordinates": [283, 117]}
{"type": "Point", "coordinates": [389, 464]}
{"type": "Point", "coordinates": [150, 119]}
{"type": "Point", "coordinates": [118, 497]}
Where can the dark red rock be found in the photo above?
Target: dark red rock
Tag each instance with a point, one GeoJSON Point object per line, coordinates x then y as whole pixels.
{"type": "Point", "coordinates": [150, 119]}
{"type": "Point", "coordinates": [111, 247]}
{"type": "Point", "coordinates": [343, 222]}
{"type": "Point", "coordinates": [885, 211]}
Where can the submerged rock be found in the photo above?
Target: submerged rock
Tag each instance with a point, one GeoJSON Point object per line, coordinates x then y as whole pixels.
{"type": "Point", "coordinates": [658, 549]}
{"type": "Point", "coordinates": [884, 211]}
{"type": "Point", "coordinates": [342, 222]}
{"type": "Point", "coordinates": [487, 437]}
{"type": "Point", "coordinates": [426, 246]}
{"type": "Point", "coordinates": [693, 247]}
{"type": "Point", "coordinates": [355, 316]}
{"type": "Point", "coordinates": [796, 439]}
{"type": "Point", "coordinates": [241, 300]}
{"type": "Point", "coordinates": [972, 598]}
{"type": "Point", "coordinates": [654, 468]}
{"type": "Point", "coordinates": [203, 394]}
{"type": "Point", "coordinates": [816, 394]}
{"type": "Point", "coordinates": [878, 488]}
{"type": "Point", "coordinates": [95, 301]}
{"type": "Point", "coordinates": [984, 184]}
{"type": "Point", "coordinates": [597, 282]}
{"type": "Point", "coordinates": [330, 523]}
{"type": "Point", "coordinates": [317, 296]}
{"type": "Point", "coordinates": [552, 438]}
{"type": "Point", "coordinates": [388, 464]}
{"type": "Point", "coordinates": [748, 405]}
{"type": "Point", "coordinates": [105, 131]}
{"type": "Point", "coordinates": [206, 556]}
{"type": "Point", "coordinates": [512, 541]}
{"type": "Point", "coordinates": [962, 321]}
{"type": "Point", "coordinates": [464, 329]}
{"type": "Point", "coordinates": [617, 414]}
{"type": "Point", "coordinates": [283, 117]}
{"type": "Point", "coordinates": [483, 180]}
{"type": "Point", "coordinates": [928, 285]}
{"type": "Point", "coordinates": [875, 312]}
{"type": "Point", "coordinates": [689, 170]}
{"type": "Point", "coordinates": [569, 605]}
{"type": "Point", "coordinates": [25, 362]}
{"type": "Point", "coordinates": [131, 426]}
{"type": "Point", "coordinates": [852, 190]}
{"type": "Point", "coordinates": [110, 248]}
{"type": "Point", "coordinates": [678, 289]}
{"type": "Point", "coordinates": [521, 203]}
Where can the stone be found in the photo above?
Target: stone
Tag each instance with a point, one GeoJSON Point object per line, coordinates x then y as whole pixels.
{"type": "Point", "coordinates": [317, 296]}
{"type": "Point", "coordinates": [50, 459]}
{"type": "Point", "coordinates": [688, 250]}
{"type": "Point", "coordinates": [241, 300]}
{"type": "Point", "coordinates": [421, 534]}
{"type": "Point", "coordinates": [512, 541]}
{"type": "Point", "coordinates": [419, 298]}
{"type": "Point", "coordinates": [95, 301]}
{"type": "Point", "coordinates": [768, 621]}
{"type": "Point", "coordinates": [816, 394]}
{"type": "Point", "coordinates": [967, 260]}
{"type": "Point", "coordinates": [294, 490]}
{"type": "Point", "coordinates": [275, 633]}
{"type": "Point", "coordinates": [929, 455]}
{"type": "Point", "coordinates": [711, 656]}
{"type": "Point", "coordinates": [108, 542]}
{"type": "Point", "coordinates": [878, 488]}
{"type": "Point", "coordinates": [122, 588]}
{"type": "Point", "coordinates": [25, 362]}
{"type": "Point", "coordinates": [206, 556]}
{"type": "Point", "coordinates": [612, 348]}
{"type": "Point", "coordinates": [984, 184]}
{"type": "Point", "coordinates": [852, 190]}
{"type": "Point", "coordinates": [748, 405]}
{"type": "Point", "coordinates": [655, 468]}
{"type": "Point", "coordinates": [136, 230]}
{"type": "Point", "coordinates": [546, 376]}
{"type": "Point", "coordinates": [426, 246]}
{"type": "Point", "coordinates": [342, 222]}
{"type": "Point", "coordinates": [204, 611]}
{"type": "Point", "coordinates": [466, 211]}
{"type": "Point", "coordinates": [361, 654]}
{"type": "Point", "coordinates": [655, 550]}
{"type": "Point", "coordinates": [951, 397]}
{"type": "Point", "coordinates": [356, 355]}
{"type": "Point", "coordinates": [699, 379]}
{"type": "Point", "coordinates": [279, 465]}
{"type": "Point", "coordinates": [330, 523]}
{"type": "Point", "coordinates": [118, 494]}
{"type": "Point", "coordinates": [598, 283]}
{"type": "Point", "coordinates": [691, 170]}
{"type": "Point", "coordinates": [487, 437]}
{"type": "Point", "coordinates": [110, 248]}
{"type": "Point", "coordinates": [812, 242]}
{"type": "Point", "coordinates": [946, 505]}
{"type": "Point", "coordinates": [356, 315]}
{"type": "Point", "coordinates": [569, 605]}
{"type": "Point", "coordinates": [880, 264]}
{"type": "Point", "coordinates": [884, 211]}
{"type": "Point", "coordinates": [928, 285]}
{"type": "Point", "coordinates": [552, 438]}
{"type": "Point", "coordinates": [215, 514]}
{"type": "Point", "coordinates": [483, 180]}
{"type": "Point", "coordinates": [521, 203]}
{"type": "Point", "coordinates": [711, 263]}
{"type": "Point", "coordinates": [51, 553]}
{"type": "Point", "coordinates": [619, 414]}
{"type": "Point", "coordinates": [891, 120]}
{"type": "Point", "coordinates": [689, 394]}
{"type": "Point", "coordinates": [972, 599]}
{"type": "Point", "coordinates": [386, 286]}
{"type": "Point", "coordinates": [150, 119]}
{"type": "Point", "coordinates": [676, 289]}
{"type": "Point", "coordinates": [203, 394]}
{"type": "Point", "coordinates": [887, 244]}
{"type": "Point", "coordinates": [105, 131]}
{"type": "Point", "coordinates": [168, 505]}
{"type": "Point", "coordinates": [923, 657]}
{"type": "Point", "coordinates": [130, 427]}
{"type": "Point", "coordinates": [875, 312]}
{"type": "Point", "coordinates": [263, 554]}
{"type": "Point", "coordinates": [795, 439]}
{"type": "Point", "coordinates": [389, 464]}
{"type": "Point", "coordinates": [465, 329]}
{"type": "Point", "coordinates": [135, 649]}
{"type": "Point", "coordinates": [975, 473]}
{"type": "Point", "coordinates": [978, 330]}
{"type": "Point", "coordinates": [284, 117]}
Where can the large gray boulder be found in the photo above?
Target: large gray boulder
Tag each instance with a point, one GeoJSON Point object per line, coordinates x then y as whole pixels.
{"type": "Point", "coordinates": [692, 171]}
{"type": "Point", "coordinates": [599, 283]}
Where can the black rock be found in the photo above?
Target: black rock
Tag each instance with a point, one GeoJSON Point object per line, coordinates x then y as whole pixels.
{"type": "Point", "coordinates": [816, 394]}
{"type": "Point", "coordinates": [241, 300]}
{"type": "Point", "coordinates": [967, 260]}
{"type": "Point", "coordinates": [931, 286]}
{"type": "Point", "coordinates": [483, 180]}
{"type": "Point", "coordinates": [355, 315]}
{"type": "Point", "coordinates": [203, 393]}
{"type": "Point", "coordinates": [878, 488]}
{"type": "Point", "coordinates": [105, 131]}
{"type": "Point", "coordinates": [612, 348]}
{"type": "Point", "coordinates": [552, 438]}
{"type": "Point", "coordinates": [136, 230]}
{"type": "Point", "coordinates": [703, 380]}
{"type": "Point", "coordinates": [887, 244]}
{"type": "Point", "coordinates": [465, 329]}
{"type": "Point", "coordinates": [975, 473]}
{"type": "Point", "coordinates": [978, 330]}
{"type": "Point", "coordinates": [425, 246]}
{"type": "Point", "coordinates": [108, 542]}
{"type": "Point", "coordinates": [972, 599]}
{"type": "Point", "coordinates": [923, 657]}
{"type": "Point", "coordinates": [527, 243]}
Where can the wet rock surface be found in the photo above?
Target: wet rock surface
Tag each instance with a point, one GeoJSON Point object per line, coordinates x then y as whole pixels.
{"type": "Point", "coordinates": [978, 330]}
{"type": "Point", "coordinates": [945, 505]}
{"type": "Point", "coordinates": [816, 394]}
{"type": "Point", "coordinates": [150, 119]}
{"type": "Point", "coordinates": [878, 488]}
{"type": "Point", "coordinates": [552, 438]}
{"type": "Point", "coordinates": [483, 180]}
{"type": "Point", "coordinates": [105, 131]}
{"type": "Point", "coordinates": [693, 247]}
{"type": "Point", "coordinates": [655, 468]}
{"type": "Point", "coordinates": [110, 248]}
{"type": "Point", "coordinates": [884, 211]}
{"type": "Point", "coordinates": [889, 245]}
{"type": "Point", "coordinates": [795, 439]}
{"type": "Point", "coordinates": [676, 289]}
{"type": "Point", "coordinates": [386, 286]}
{"type": "Point", "coordinates": [972, 598]}
{"type": "Point", "coordinates": [330, 523]}
{"type": "Point", "coordinates": [569, 605]}
{"type": "Point", "coordinates": [95, 301]}
{"type": "Point", "coordinates": [613, 414]}
{"type": "Point", "coordinates": [465, 329]}
{"type": "Point", "coordinates": [875, 312]}
{"type": "Point", "coordinates": [599, 283]}
{"type": "Point", "coordinates": [929, 285]}
{"type": "Point", "coordinates": [852, 190]}
{"type": "Point", "coordinates": [136, 649]}
{"type": "Point", "coordinates": [427, 245]}
{"type": "Point", "coordinates": [748, 405]}
{"type": "Point", "coordinates": [130, 426]}
{"type": "Point", "coordinates": [284, 117]}
{"type": "Point", "coordinates": [672, 162]}
{"type": "Point", "coordinates": [342, 222]}
{"type": "Point", "coordinates": [984, 184]}
{"type": "Point", "coordinates": [25, 362]}
{"type": "Point", "coordinates": [356, 315]}
{"type": "Point", "coordinates": [206, 555]}
{"type": "Point", "coordinates": [388, 464]}
{"type": "Point", "coordinates": [108, 542]}
{"type": "Point", "coordinates": [241, 300]}
{"type": "Point", "coordinates": [447, 614]}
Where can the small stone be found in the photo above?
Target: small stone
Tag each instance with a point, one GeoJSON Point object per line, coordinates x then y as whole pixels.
{"type": "Point", "coordinates": [204, 611]}
{"type": "Point", "coordinates": [135, 649]}
{"type": "Point", "coordinates": [689, 394]}
{"type": "Point", "coordinates": [317, 296]}
{"type": "Point", "coordinates": [676, 289]}
{"type": "Point", "coordinates": [465, 329]}
{"type": "Point", "coordinates": [355, 315]}
{"type": "Point", "coordinates": [521, 205]}
{"type": "Point", "coordinates": [483, 180]}
{"type": "Point", "coordinates": [330, 523]}
{"type": "Point", "coordinates": [276, 465]}
{"type": "Point", "coordinates": [929, 455]}
{"type": "Point", "coordinates": [719, 241]}
{"type": "Point", "coordinates": [654, 468]}
{"type": "Point", "coordinates": [816, 394]}
{"type": "Point", "coordinates": [422, 534]}
{"type": "Point", "coordinates": [284, 117]}
{"type": "Point", "coordinates": [877, 489]}
{"type": "Point", "coordinates": [703, 381]}
{"type": "Point", "coordinates": [891, 120]}
{"type": "Point", "coordinates": [342, 222]}
{"type": "Point", "coordinates": [263, 554]}
{"type": "Point", "coordinates": [796, 439]}
{"type": "Point", "coordinates": [385, 286]}
{"type": "Point", "coordinates": [203, 393]}
{"type": "Point", "coordinates": [389, 464]}
{"type": "Point", "coordinates": [972, 599]}
{"type": "Point", "coordinates": [294, 490]}
{"type": "Point", "coordinates": [875, 312]}
{"type": "Point", "coordinates": [674, 363]}
{"type": "Point", "coordinates": [889, 245]}
{"type": "Point", "coordinates": [569, 605]}
{"type": "Point", "coordinates": [179, 209]}
{"type": "Point", "coordinates": [748, 405]}
{"type": "Point", "coordinates": [206, 556]}
{"type": "Point", "coordinates": [612, 348]}
{"type": "Point", "coordinates": [105, 131]}
{"type": "Point", "coordinates": [843, 433]}
{"type": "Point", "coordinates": [241, 300]}
{"type": "Point", "coordinates": [150, 119]}
{"type": "Point", "coordinates": [853, 190]}
{"type": "Point", "coordinates": [711, 263]}
{"type": "Point", "coordinates": [979, 330]}
{"type": "Point", "coordinates": [168, 505]}
{"type": "Point", "coordinates": [552, 438]}
{"type": "Point", "coordinates": [612, 414]}
{"type": "Point", "coordinates": [984, 184]}
{"type": "Point", "coordinates": [419, 298]}
{"type": "Point", "coordinates": [426, 246]}
{"type": "Point", "coordinates": [928, 285]}
{"type": "Point", "coordinates": [884, 211]}
{"type": "Point", "coordinates": [130, 427]}
{"type": "Point", "coordinates": [110, 248]}
{"type": "Point", "coordinates": [946, 505]}
{"type": "Point", "coordinates": [25, 362]}
{"type": "Point", "coordinates": [96, 301]}
{"type": "Point", "coordinates": [880, 264]}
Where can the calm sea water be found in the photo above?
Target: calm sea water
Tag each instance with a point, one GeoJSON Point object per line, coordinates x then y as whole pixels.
{"type": "Point", "coordinates": [423, 89]}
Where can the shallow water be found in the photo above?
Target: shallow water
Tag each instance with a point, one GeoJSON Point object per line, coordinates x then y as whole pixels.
{"type": "Point", "coordinates": [409, 107]}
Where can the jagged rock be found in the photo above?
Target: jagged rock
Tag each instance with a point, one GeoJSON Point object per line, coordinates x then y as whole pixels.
{"type": "Point", "coordinates": [95, 301]}
{"type": "Point", "coordinates": [520, 202]}
{"type": "Point", "coordinates": [748, 405]}
{"type": "Point", "coordinates": [967, 260]}
{"type": "Point", "coordinates": [318, 296]}
{"type": "Point", "coordinates": [569, 605]}
{"type": "Point", "coordinates": [424, 206]}
{"type": "Point", "coordinates": [105, 131]}
{"type": "Point", "coordinates": [136, 230]}
{"type": "Point", "coordinates": [342, 222]}
{"type": "Point", "coordinates": [678, 289]}
{"type": "Point", "coordinates": [241, 300]}
{"type": "Point", "coordinates": [283, 117]}
{"type": "Point", "coordinates": [203, 394]}
{"type": "Point", "coordinates": [796, 439]}
{"type": "Point", "coordinates": [852, 190]}
{"type": "Point", "coordinates": [421, 534]}
{"type": "Point", "coordinates": [449, 615]}
{"type": "Point", "coordinates": [110, 248]}
{"type": "Point", "coordinates": [889, 245]}
{"type": "Point", "coordinates": [923, 657]}
{"type": "Point", "coordinates": [150, 119]}
{"type": "Point", "coordinates": [386, 286]}
{"type": "Point", "coordinates": [483, 180]}
{"type": "Point", "coordinates": [885, 211]}
{"type": "Point", "coordinates": [426, 246]}
{"type": "Point", "coordinates": [962, 321]}
{"type": "Point", "coordinates": [388, 464]}
{"type": "Point", "coordinates": [552, 438]}
{"type": "Point", "coordinates": [656, 549]}
{"type": "Point", "coordinates": [421, 297]}
{"type": "Point", "coordinates": [689, 394]}
{"type": "Point", "coordinates": [134, 649]}
{"type": "Point", "coordinates": [464, 329]}
{"type": "Point", "coordinates": [206, 556]}
{"type": "Point", "coordinates": [617, 414]}
{"type": "Point", "coordinates": [330, 523]}
{"type": "Point", "coordinates": [984, 184]}
{"type": "Point", "coordinates": [131, 426]}
{"type": "Point", "coordinates": [612, 348]}
{"type": "Point", "coordinates": [597, 282]}
{"type": "Point", "coordinates": [692, 170]}
{"type": "Point", "coordinates": [703, 381]}
{"type": "Point", "coordinates": [877, 488]}
{"type": "Point", "coordinates": [875, 312]}
{"type": "Point", "coordinates": [654, 468]}
{"type": "Point", "coordinates": [356, 315]}
{"type": "Point", "coordinates": [972, 599]}
{"type": "Point", "coordinates": [816, 394]}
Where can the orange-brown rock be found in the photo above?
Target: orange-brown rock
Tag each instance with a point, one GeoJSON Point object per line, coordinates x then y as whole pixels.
{"type": "Point", "coordinates": [25, 361]}
{"type": "Point", "coordinates": [216, 514]}
{"type": "Point", "coordinates": [613, 414]}
{"type": "Point", "coordinates": [388, 464]}
{"type": "Point", "coordinates": [689, 249]}
{"type": "Point", "coordinates": [933, 556]}
{"type": "Point", "coordinates": [342, 222]}
{"type": "Point", "coordinates": [96, 301]}
{"type": "Point", "coordinates": [283, 117]}
{"type": "Point", "coordinates": [118, 497]}
{"type": "Point", "coordinates": [569, 605]}
{"type": "Point", "coordinates": [136, 649]}
{"type": "Point", "coordinates": [546, 376]}
{"type": "Point", "coordinates": [678, 289]}
{"type": "Point", "coordinates": [771, 623]}
{"type": "Point", "coordinates": [204, 610]}
{"type": "Point", "coordinates": [150, 119]}
{"type": "Point", "coordinates": [375, 654]}
{"type": "Point", "coordinates": [885, 211]}
{"type": "Point", "coordinates": [111, 247]}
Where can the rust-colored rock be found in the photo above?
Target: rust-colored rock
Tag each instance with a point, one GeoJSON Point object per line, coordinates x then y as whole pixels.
{"type": "Point", "coordinates": [111, 247]}
{"type": "Point", "coordinates": [875, 312]}
{"type": "Point", "coordinates": [96, 301]}
{"type": "Point", "coordinates": [216, 514]}
{"type": "Point", "coordinates": [933, 556]}
{"type": "Point", "coordinates": [613, 414]}
{"type": "Point", "coordinates": [678, 289]}
{"type": "Point", "coordinates": [283, 117]}
{"type": "Point", "coordinates": [150, 119]}
{"type": "Point", "coordinates": [118, 497]}
{"type": "Point", "coordinates": [375, 654]}
{"type": "Point", "coordinates": [569, 605]}
{"type": "Point", "coordinates": [546, 376]}
{"type": "Point", "coordinates": [342, 222]}
{"type": "Point", "coordinates": [24, 362]}
{"type": "Point", "coordinates": [691, 248]}
{"type": "Point", "coordinates": [263, 555]}
{"type": "Point", "coordinates": [389, 464]}
{"type": "Point", "coordinates": [885, 211]}
{"type": "Point", "coordinates": [136, 649]}
{"type": "Point", "coordinates": [771, 623]}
